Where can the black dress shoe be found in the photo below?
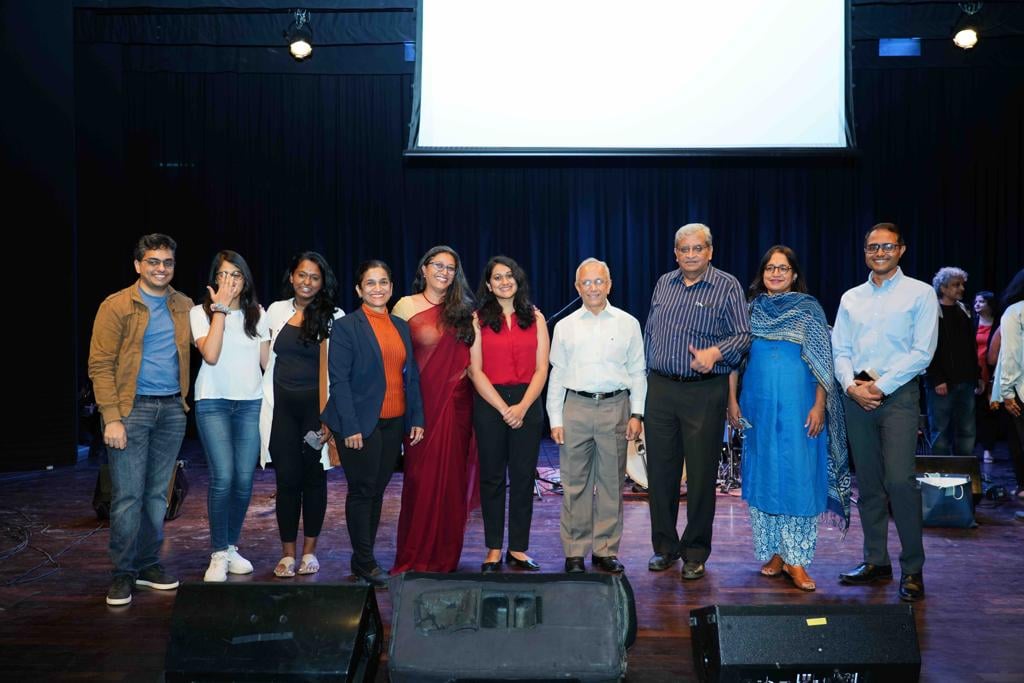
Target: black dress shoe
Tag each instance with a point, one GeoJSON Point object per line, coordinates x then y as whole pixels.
{"type": "Point", "coordinates": [574, 565]}
{"type": "Point", "coordinates": [375, 577]}
{"type": "Point", "coordinates": [490, 567]}
{"type": "Point", "coordinates": [659, 562]}
{"type": "Point", "coordinates": [527, 564]}
{"type": "Point", "coordinates": [912, 587]}
{"type": "Point", "coordinates": [609, 563]}
{"type": "Point", "coordinates": [866, 573]}
{"type": "Point", "coordinates": [692, 570]}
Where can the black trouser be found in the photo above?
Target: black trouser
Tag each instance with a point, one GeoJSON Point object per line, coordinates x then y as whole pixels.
{"type": "Point", "coordinates": [1015, 442]}
{"type": "Point", "coordinates": [301, 482]}
{"type": "Point", "coordinates": [368, 472]}
{"type": "Point", "coordinates": [882, 444]}
{"type": "Point", "coordinates": [683, 422]}
{"type": "Point", "coordinates": [503, 449]}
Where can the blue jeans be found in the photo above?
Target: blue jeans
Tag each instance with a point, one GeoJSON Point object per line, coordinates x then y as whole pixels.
{"type": "Point", "coordinates": [139, 477]}
{"type": "Point", "coordinates": [230, 433]}
{"type": "Point", "coordinates": [949, 416]}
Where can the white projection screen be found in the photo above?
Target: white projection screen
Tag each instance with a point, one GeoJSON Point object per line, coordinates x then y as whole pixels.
{"type": "Point", "coordinates": [642, 75]}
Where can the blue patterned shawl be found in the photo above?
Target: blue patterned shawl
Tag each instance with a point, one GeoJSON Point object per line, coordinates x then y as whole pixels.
{"type": "Point", "coordinates": [798, 318]}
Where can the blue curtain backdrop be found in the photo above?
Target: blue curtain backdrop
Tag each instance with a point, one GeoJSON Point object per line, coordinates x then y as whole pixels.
{"type": "Point", "coordinates": [239, 147]}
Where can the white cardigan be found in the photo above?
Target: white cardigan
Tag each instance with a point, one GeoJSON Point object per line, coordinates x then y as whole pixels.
{"type": "Point", "coordinates": [278, 315]}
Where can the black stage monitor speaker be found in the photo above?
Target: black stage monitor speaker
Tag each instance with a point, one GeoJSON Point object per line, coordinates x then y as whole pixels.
{"type": "Point", "coordinates": [274, 632]}
{"type": "Point", "coordinates": [819, 643]}
{"type": "Point", "coordinates": [952, 464]}
{"type": "Point", "coordinates": [510, 627]}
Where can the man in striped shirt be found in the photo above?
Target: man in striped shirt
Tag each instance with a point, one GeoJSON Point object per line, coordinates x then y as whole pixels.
{"type": "Point", "coordinates": [697, 331]}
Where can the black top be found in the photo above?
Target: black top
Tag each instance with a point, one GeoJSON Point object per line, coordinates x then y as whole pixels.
{"type": "Point", "coordinates": [297, 366]}
{"type": "Point", "coordinates": [956, 356]}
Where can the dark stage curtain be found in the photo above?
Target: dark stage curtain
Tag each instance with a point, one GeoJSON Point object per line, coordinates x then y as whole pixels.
{"type": "Point", "coordinates": [271, 163]}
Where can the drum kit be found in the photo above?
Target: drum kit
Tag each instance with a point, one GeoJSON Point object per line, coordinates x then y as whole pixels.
{"type": "Point", "coordinates": [728, 480]}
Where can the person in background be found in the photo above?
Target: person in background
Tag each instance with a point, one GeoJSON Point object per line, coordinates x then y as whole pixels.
{"type": "Point", "coordinates": [986, 414]}
{"type": "Point", "coordinates": [952, 379]}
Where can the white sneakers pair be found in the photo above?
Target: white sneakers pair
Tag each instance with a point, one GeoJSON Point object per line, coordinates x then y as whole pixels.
{"type": "Point", "coordinates": [224, 562]}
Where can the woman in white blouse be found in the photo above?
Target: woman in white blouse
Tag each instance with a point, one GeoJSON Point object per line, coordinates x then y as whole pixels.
{"type": "Point", "coordinates": [230, 331]}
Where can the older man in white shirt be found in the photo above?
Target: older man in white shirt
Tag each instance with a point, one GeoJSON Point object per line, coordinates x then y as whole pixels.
{"type": "Point", "coordinates": [596, 393]}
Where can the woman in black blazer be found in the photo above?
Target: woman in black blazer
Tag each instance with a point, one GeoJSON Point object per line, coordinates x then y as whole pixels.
{"type": "Point", "coordinates": [375, 400]}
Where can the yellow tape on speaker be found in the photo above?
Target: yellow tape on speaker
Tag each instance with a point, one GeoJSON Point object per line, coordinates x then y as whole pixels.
{"type": "Point", "coordinates": [818, 621]}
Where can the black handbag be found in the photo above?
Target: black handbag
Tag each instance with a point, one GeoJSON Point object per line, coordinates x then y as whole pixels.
{"type": "Point", "coordinates": [177, 490]}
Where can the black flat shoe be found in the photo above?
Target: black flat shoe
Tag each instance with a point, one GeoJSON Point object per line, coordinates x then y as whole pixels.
{"type": "Point", "coordinates": [912, 587]}
{"type": "Point", "coordinates": [609, 563]}
{"type": "Point", "coordinates": [574, 565]}
{"type": "Point", "coordinates": [659, 562]}
{"type": "Point", "coordinates": [527, 564]}
{"type": "Point", "coordinates": [490, 567]}
{"type": "Point", "coordinates": [866, 573]}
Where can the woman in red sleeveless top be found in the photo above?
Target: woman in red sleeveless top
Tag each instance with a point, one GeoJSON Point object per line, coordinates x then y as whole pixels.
{"type": "Point", "coordinates": [508, 367]}
{"type": "Point", "coordinates": [439, 480]}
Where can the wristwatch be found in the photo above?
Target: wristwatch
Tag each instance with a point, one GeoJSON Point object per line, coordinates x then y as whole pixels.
{"type": "Point", "coordinates": [220, 308]}
{"type": "Point", "coordinates": [638, 416]}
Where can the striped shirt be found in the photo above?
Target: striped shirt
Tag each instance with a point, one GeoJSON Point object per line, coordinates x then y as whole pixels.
{"type": "Point", "coordinates": [711, 312]}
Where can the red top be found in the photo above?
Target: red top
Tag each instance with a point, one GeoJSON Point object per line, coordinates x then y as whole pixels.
{"type": "Point", "coordinates": [509, 356]}
{"type": "Point", "coordinates": [981, 339]}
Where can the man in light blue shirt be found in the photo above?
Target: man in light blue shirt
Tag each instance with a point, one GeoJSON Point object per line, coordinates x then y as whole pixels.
{"type": "Point", "coordinates": [885, 335]}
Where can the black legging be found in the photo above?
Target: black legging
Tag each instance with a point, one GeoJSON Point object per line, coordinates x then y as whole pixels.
{"type": "Point", "coordinates": [301, 482]}
{"type": "Point", "coordinates": [368, 471]}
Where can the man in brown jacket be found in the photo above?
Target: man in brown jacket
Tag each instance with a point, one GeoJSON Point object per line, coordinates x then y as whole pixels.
{"type": "Point", "coordinates": [138, 363]}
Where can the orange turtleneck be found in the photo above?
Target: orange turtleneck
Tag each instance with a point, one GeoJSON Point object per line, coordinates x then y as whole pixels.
{"type": "Point", "coordinates": [392, 350]}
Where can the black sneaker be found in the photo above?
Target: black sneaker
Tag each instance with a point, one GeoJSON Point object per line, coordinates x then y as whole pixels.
{"type": "Point", "coordinates": [156, 577]}
{"type": "Point", "coordinates": [120, 592]}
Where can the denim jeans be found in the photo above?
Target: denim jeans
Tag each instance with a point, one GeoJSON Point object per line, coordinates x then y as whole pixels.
{"type": "Point", "coordinates": [139, 476]}
{"type": "Point", "coordinates": [230, 433]}
{"type": "Point", "coordinates": [949, 416]}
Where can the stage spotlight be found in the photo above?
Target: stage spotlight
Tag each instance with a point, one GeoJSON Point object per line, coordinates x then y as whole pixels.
{"type": "Point", "coordinates": [966, 38]}
{"type": "Point", "coordinates": [300, 35]}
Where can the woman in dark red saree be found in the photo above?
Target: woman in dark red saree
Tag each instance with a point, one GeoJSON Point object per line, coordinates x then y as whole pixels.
{"type": "Point", "coordinates": [439, 482]}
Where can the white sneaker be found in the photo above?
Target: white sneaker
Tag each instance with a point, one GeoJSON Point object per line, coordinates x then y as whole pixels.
{"type": "Point", "coordinates": [217, 572]}
{"type": "Point", "coordinates": [236, 563]}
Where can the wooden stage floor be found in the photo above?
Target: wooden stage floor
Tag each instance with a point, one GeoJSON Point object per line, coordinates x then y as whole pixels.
{"type": "Point", "coordinates": [54, 624]}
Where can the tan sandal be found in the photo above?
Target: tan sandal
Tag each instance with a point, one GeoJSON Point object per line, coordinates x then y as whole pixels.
{"type": "Point", "coordinates": [799, 577]}
{"type": "Point", "coordinates": [772, 567]}
{"type": "Point", "coordinates": [309, 564]}
{"type": "Point", "coordinates": [285, 568]}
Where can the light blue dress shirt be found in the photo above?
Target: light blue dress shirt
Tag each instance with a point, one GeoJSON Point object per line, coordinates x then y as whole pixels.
{"type": "Point", "coordinates": [1009, 372]}
{"type": "Point", "coordinates": [892, 329]}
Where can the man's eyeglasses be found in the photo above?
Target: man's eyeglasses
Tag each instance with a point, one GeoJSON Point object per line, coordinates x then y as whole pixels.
{"type": "Point", "coordinates": [596, 282]}
{"type": "Point", "coordinates": [155, 262]}
{"type": "Point", "coordinates": [442, 267]}
{"type": "Point", "coordinates": [781, 270]}
{"type": "Point", "coordinates": [696, 249]}
{"type": "Point", "coordinates": [874, 248]}
{"type": "Point", "coordinates": [233, 274]}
